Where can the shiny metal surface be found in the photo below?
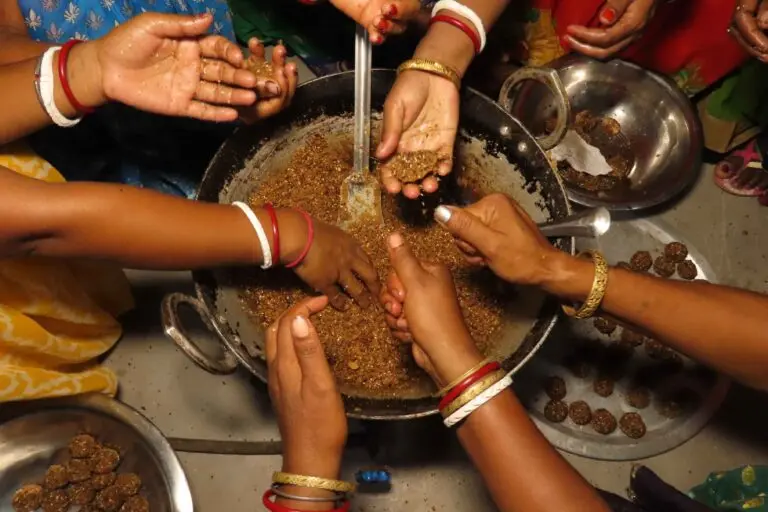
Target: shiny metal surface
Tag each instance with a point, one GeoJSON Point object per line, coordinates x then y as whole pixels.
{"type": "Point", "coordinates": [657, 118]}
{"type": "Point", "coordinates": [35, 435]}
{"type": "Point", "coordinates": [590, 223]}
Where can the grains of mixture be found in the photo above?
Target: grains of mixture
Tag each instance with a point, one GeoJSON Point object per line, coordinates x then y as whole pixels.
{"type": "Point", "coordinates": [413, 166]}
{"type": "Point", "coordinates": [260, 67]}
{"type": "Point", "coordinates": [367, 360]}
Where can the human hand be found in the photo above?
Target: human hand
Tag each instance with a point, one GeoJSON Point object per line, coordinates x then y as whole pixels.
{"type": "Point", "coordinates": [380, 17]}
{"type": "Point", "coordinates": [335, 265]}
{"type": "Point", "coordinates": [421, 113]}
{"type": "Point", "coordinates": [623, 23]}
{"type": "Point", "coordinates": [421, 304]}
{"type": "Point", "coordinates": [749, 23]}
{"type": "Point", "coordinates": [274, 90]}
{"type": "Point", "coordinates": [165, 64]}
{"type": "Point", "coordinates": [497, 232]}
{"type": "Point", "coordinates": [309, 409]}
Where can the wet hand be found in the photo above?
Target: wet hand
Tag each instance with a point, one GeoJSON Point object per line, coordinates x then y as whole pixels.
{"type": "Point", "coordinates": [165, 64]}
{"type": "Point", "coordinates": [623, 23]}
{"type": "Point", "coordinates": [275, 91]}
{"type": "Point", "coordinates": [750, 20]}
{"type": "Point", "coordinates": [422, 307]}
{"type": "Point", "coordinates": [309, 408]}
{"type": "Point", "coordinates": [497, 232]}
{"type": "Point", "coordinates": [381, 18]}
{"type": "Point", "coordinates": [421, 113]}
{"type": "Point", "coordinates": [336, 265]}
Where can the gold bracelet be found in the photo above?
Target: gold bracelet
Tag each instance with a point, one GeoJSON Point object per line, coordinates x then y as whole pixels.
{"type": "Point", "coordinates": [463, 376]}
{"type": "Point", "coordinates": [432, 67]}
{"type": "Point", "coordinates": [597, 292]}
{"type": "Point", "coordinates": [473, 392]}
{"type": "Point", "coordinates": [312, 482]}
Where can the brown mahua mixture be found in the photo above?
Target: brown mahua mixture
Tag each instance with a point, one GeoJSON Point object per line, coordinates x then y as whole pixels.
{"type": "Point", "coordinates": [365, 358]}
{"type": "Point", "coordinates": [413, 166]}
{"type": "Point", "coordinates": [555, 388]}
{"type": "Point", "coordinates": [556, 411]}
{"type": "Point", "coordinates": [580, 413]}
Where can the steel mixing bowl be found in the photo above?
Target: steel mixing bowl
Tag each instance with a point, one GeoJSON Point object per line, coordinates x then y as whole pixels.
{"type": "Point", "coordinates": [655, 115]}
{"type": "Point", "coordinates": [35, 435]}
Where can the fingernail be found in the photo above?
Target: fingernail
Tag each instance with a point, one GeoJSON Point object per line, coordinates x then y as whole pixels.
{"type": "Point", "coordinates": [395, 240]}
{"type": "Point", "coordinates": [442, 214]}
{"type": "Point", "coordinates": [273, 88]}
{"type": "Point", "coordinates": [393, 10]}
{"type": "Point", "coordinates": [300, 327]}
{"type": "Point", "coordinates": [402, 323]}
{"type": "Point", "coordinates": [382, 25]}
{"type": "Point", "coordinates": [388, 307]}
{"type": "Point", "coordinates": [377, 39]}
{"type": "Point", "coordinates": [608, 15]}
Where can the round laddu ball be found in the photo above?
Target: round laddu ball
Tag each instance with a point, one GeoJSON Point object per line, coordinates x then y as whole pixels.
{"type": "Point", "coordinates": [676, 251]}
{"type": "Point", "coordinates": [639, 397]}
{"type": "Point", "coordinates": [55, 501]}
{"type": "Point", "coordinates": [605, 325]}
{"type": "Point", "coordinates": [78, 470]}
{"type": "Point", "coordinates": [556, 411]}
{"type": "Point", "coordinates": [105, 460]}
{"type": "Point", "coordinates": [109, 499]}
{"type": "Point", "coordinates": [632, 425]}
{"type": "Point", "coordinates": [83, 446]}
{"type": "Point", "coordinates": [128, 483]}
{"type": "Point", "coordinates": [641, 261]}
{"type": "Point", "coordinates": [27, 499]}
{"type": "Point", "coordinates": [603, 422]}
{"type": "Point", "coordinates": [555, 388]}
{"type": "Point", "coordinates": [55, 478]}
{"type": "Point", "coordinates": [101, 481]}
{"type": "Point", "coordinates": [81, 493]}
{"type": "Point", "coordinates": [632, 338]}
{"type": "Point", "coordinates": [135, 504]}
{"type": "Point", "coordinates": [580, 412]}
{"type": "Point", "coordinates": [603, 386]}
{"type": "Point", "coordinates": [664, 267]}
{"type": "Point", "coordinates": [687, 270]}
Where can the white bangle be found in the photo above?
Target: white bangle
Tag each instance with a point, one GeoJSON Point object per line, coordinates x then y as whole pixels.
{"type": "Point", "coordinates": [478, 401]}
{"type": "Point", "coordinates": [44, 87]}
{"type": "Point", "coordinates": [266, 250]}
{"type": "Point", "coordinates": [466, 12]}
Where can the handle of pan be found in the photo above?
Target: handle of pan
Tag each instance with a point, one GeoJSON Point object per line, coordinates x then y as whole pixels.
{"type": "Point", "coordinates": [551, 79]}
{"type": "Point", "coordinates": [174, 329]}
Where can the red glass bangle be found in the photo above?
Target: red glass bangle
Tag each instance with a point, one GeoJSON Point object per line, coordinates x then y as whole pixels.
{"type": "Point", "coordinates": [276, 507]}
{"type": "Point", "coordinates": [275, 232]}
{"type": "Point", "coordinates": [444, 18]}
{"type": "Point", "coordinates": [63, 58]}
{"type": "Point", "coordinates": [310, 239]}
{"type": "Point", "coordinates": [459, 388]}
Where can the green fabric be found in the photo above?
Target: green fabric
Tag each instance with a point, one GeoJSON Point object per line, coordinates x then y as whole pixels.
{"type": "Point", "coordinates": [744, 488]}
{"type": "Point", "coordinates": [741, 97]}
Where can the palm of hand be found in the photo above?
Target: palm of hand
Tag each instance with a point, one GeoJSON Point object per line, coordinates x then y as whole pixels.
{"type": "Point", "coordinates": [152, 73]}
{"type": "Point", "coordinates": [433, 126]}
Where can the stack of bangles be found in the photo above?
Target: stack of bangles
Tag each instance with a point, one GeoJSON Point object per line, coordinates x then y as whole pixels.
{"type": "Point", "coordinates": [338, 492]}
{"type": "Point", "coordinates": [479, 385]}
{"type": "Point", "coordinates": [445, 11]}
{"type": "Point", "coordinates": [271, 254]}
{"type": "Point", "coordinates": [45, 83]}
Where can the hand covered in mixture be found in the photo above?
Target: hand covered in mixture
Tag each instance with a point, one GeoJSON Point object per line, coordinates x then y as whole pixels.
{"type": "Point", "coordinates": [165, 64]}
{"type": "Point", "coordinates": [750, 20]}
{"type": "Point", "coordinates": [335, 265]}
{"type": "Point", "coordinates": [497, 232]}
{"type": "Point", "coordinates": [422, 307]}
{"type": "Point", "coordinates": [380, 17]}
{"type": "Point", "coordinates": [309, 409]}
{"type": "Point", "coordinates": [623, 23]}
{"type": "Point", "coordinates": [275, 81]}
{"type": "Point", "coordinates": [421, 113]}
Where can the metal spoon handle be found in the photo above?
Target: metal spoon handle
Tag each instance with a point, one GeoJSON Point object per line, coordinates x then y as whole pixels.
{"type": "Point", "coordinates": [363, 51]}
{"type": "Point", "coordinates": [590, 223]}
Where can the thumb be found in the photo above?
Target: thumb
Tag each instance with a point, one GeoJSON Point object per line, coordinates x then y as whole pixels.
{"type": "Point", "coordinates": [465, 226]}
{"type": "Point", "coordinates": [403, 260]}
{"type": "Point", "coordinates": [392, 129]}
{"type": "Point", "coordinates": [612, 11]}
{"type": "Point", "coordinates": [309, 350]}
{"type": "Point", "coordinates": [176, 26]}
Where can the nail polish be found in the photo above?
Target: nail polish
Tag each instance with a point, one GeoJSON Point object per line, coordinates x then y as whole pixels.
{"type": "Point", "coordinates": [382, 25]}
{"type": "Point", "coordinates": [393, 10]}
{"type": "Point", "coordinates": [609, 15]}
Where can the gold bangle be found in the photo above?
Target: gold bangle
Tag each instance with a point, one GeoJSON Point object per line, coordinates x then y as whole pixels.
{"type": "Point", "coordinates": [432, 67]}
{"type": "Point", "coordinates": [597, 292]}
{"type": "Point", "coordinates": [463, 376]}
{"type": "Point", "coordinates": [312, 482]}
{"type": "Point", "coordinates": [473, 392]}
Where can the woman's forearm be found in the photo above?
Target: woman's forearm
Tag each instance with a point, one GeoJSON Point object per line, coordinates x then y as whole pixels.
{"type": "Point", "coordinates": [136, 228]}
{"type": "Point", "coordinates": [521, 469]}
{"type": "Point", "coordinates": [449, 45]}
{"type": "Point", "coordinates": [722, 327]}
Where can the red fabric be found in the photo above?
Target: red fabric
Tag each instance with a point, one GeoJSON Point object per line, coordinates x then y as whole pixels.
{"type": "Point", "coordinates": [684, 34]}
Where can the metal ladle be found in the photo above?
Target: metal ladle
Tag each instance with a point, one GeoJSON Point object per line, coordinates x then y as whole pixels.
{"type": "Point", "coordinates": [591, 223]}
